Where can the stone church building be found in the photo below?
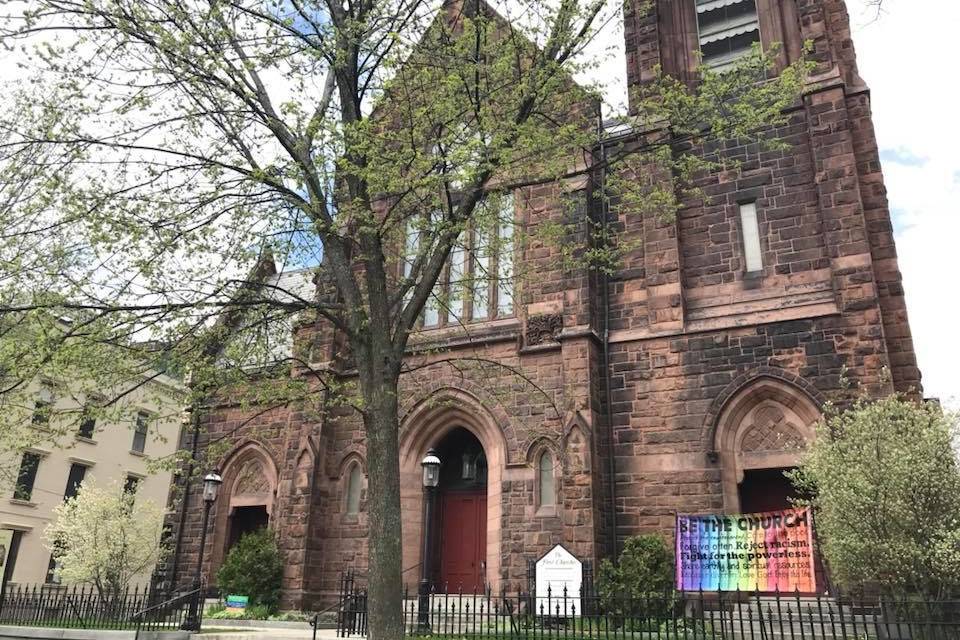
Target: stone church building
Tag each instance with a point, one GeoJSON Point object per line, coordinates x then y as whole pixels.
{"type": "Point", "coordinates": [685, 382]}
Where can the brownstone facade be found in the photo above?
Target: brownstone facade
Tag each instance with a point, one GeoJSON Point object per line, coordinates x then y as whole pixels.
{"type": "Point", "coordinates": [676, 385]}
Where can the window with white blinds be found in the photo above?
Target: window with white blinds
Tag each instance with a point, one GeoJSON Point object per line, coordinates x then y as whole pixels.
{"type": "Point", "coordinates": [726, 29]}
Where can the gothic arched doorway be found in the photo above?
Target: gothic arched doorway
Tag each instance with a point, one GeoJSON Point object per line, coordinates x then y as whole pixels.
{"type": "Point", "coordinates": [761, 433]}
{"type": "Point", "coordinates": [447, 412]}
{"type": "Point", "coordinates": [461, 524]}
{"type": "Point", "coordinates": [246, 502]}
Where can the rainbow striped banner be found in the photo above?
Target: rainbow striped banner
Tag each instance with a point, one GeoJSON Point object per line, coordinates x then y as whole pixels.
{"type": "Point", "coordinates": [770, 551]}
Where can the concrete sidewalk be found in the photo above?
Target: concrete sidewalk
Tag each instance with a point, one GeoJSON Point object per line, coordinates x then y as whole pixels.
{"type": "Point", "coordinates": [213, 632]}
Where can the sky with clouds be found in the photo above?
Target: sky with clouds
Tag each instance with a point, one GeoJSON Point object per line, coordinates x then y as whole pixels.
{"type": "Point", "coordinates": [902, 55]}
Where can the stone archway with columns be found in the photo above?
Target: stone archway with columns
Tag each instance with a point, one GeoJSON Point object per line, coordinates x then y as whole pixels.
{"type": "Point", "coordinates": [424, 426]}
{"type": "Point", "coordinates": [765, 424]}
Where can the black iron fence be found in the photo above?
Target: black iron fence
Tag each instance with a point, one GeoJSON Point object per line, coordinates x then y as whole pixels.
{"type": "Point", "coordinates": [688, 615]}
{"type": "Point", "coordinates": [85, 607]}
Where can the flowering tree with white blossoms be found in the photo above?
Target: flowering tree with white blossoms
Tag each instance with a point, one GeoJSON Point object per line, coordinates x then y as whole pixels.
{"type": "Point", "coordinates": [886, 484]}
{"type": "Point", "coordinates": [106, 537]}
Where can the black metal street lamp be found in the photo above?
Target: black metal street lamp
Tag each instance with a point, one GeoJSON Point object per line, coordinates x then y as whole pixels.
{"type": "Point", "coordinates": [211, 485]}
{"type": "Point", "coordinates": [431, 478]}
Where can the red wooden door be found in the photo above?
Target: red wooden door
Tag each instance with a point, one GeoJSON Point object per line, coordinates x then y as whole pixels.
{"type": "Point", "coordinates": [463, 541]}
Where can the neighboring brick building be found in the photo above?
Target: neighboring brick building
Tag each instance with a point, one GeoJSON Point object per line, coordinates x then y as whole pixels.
{"type": "Point", "coordinates": [690, 378]}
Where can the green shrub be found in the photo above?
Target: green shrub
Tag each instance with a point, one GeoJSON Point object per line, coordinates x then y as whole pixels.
{"type": "Point", "coordinates": [253, 568]}
{"type": "Point", "coordinates": [255, 612]}
{"type": "Point", "coordinates": [640, 586]}
{"type": "Point", "coordinates": [259, 612]}
{"type": "Point", "coordinates": [302, 616]}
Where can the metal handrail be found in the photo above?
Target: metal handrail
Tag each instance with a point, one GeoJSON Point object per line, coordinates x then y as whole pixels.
{"type": "Point", "coordinates": [315, 620]}
{"type": "Point", "coordinates": [364, 574]}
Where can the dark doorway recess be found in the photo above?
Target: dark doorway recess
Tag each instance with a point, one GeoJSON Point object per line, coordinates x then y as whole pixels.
{"type": "Point", "coordinates": [246, 520]}
{"type": "Point", "coordinates": [769, 490]}
{"type": "Point", "coordinates": [460, 550]}
{"type": "Point", "coordinates": [766, 490]}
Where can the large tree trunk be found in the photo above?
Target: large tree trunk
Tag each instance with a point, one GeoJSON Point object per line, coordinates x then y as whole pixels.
{"type": "Point", "coordinates": [379, 376]}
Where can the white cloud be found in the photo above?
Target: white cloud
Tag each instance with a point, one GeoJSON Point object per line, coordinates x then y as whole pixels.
{"type": "Point", "coordinates": [902, 55]}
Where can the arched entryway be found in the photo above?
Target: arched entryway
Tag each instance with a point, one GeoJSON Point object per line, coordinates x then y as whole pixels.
{"type": "Point", "coordinates": [761, 433]}
{"type": "Point", "coordinates": [468, 523]}
{"type": "Point", "coordinates": [460, 545]}
{"type": "Point", "coordinates": [246, 499]}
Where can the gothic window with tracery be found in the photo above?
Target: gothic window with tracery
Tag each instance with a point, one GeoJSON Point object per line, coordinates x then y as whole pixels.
{"type": "Point", "coordinates": [478, 280]}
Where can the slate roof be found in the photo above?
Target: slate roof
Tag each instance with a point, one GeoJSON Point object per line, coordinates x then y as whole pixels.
{"type": "Point", "coordinates": [292, 285]}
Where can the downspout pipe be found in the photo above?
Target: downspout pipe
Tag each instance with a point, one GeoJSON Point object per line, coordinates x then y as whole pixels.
{"type": "Point", "coordinates": [605, 341]}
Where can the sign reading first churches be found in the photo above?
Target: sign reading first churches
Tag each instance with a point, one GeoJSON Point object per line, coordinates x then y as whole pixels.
{"type": "Point", "coordinates": [559, 580]}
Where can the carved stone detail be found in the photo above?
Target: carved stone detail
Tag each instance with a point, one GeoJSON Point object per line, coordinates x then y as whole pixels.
{"type": "Point", "coordinates": [543, 328]}
{"type": "Point", "coordinates": [576, 452]}
{"type": "Point", "coordinates": [251, 480]}
{"type": "Point", "coordinates": [770, 431]}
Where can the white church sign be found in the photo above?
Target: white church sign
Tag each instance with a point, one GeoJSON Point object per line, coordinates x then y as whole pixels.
{"type": "Point", "coordinates": [556, 571]}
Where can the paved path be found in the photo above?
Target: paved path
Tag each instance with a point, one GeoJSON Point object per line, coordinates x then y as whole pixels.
{"type": "Point", "coordinates": [210, 632]}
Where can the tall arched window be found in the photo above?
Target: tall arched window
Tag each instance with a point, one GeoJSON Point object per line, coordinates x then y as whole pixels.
{"type": "Point", "coordinates": [547, 493]}
{"type": "Point", "coordinates": [354, 487]}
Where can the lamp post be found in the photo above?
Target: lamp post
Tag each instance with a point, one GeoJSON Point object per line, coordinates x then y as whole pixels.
{"type": "Point", "coordinates": [431, 478]}
{"type": "Point", "coordinates": [211, 485]}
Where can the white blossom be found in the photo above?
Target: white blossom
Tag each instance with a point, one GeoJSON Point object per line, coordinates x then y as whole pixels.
{"type": "Point", "coordinates": [105, 536]}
